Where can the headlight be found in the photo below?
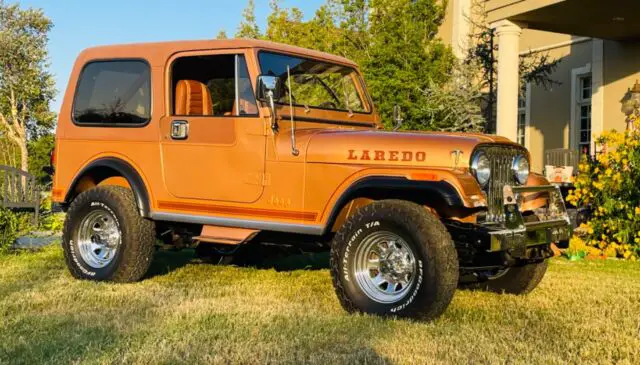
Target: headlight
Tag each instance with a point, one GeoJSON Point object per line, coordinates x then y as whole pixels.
{"type": "Point", "coordinates": [520, 169]}
{"type": "Point", "coordinates": [481, 168]}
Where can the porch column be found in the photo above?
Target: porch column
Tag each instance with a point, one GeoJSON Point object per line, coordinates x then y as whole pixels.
{"type": "Point", "coordinates": [508, 79]}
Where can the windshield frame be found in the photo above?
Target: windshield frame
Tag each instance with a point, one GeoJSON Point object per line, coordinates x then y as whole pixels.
{"type": "Point", "coordinates": [360, 86]}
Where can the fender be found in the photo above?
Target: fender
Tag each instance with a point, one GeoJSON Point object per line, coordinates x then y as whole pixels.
{"type": "Point", "coordinates": [391, 187]}
{"type": "Point", "coordinates": [124, 169]}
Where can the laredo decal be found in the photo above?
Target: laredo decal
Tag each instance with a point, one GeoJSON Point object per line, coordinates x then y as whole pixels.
{"type": "Point", "coordinates": [378, 155]}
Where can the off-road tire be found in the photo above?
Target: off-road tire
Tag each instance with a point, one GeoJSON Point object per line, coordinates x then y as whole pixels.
{"type": "Point", "coordinates": [517, 280]}
{"type": "Point", "coordinates": [137, 244]}
{"type": "Point", "coordinates": [437, 262]}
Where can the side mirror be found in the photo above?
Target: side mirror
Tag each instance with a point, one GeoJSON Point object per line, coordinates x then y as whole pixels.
{"type": "Point", "coordinates": [268, 87]}
{"type": "Point", "coordinates": [397, 117]}
{"type": "Point", "coordinates": [268, 91]}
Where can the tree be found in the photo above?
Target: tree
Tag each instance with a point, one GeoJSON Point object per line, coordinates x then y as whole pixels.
{"type": "Point", "coordinates": [404, 57]}
{"type": "Point", "coordinates": [535, 68]}
{"type": "Point", "coordinates": [394, 41]}
{"type": "Point", "coordinates": [248, 27]}
{"type": "Point", "coordinates": [26, 85]}
{"type": "Point", "coordinates": [222, 34]}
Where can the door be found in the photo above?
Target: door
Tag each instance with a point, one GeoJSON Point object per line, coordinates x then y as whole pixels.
{"type": "Point", "coordinates": [213, 141]}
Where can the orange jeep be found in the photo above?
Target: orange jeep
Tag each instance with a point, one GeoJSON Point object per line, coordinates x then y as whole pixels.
{"type": "Point", "coordinates": [232, 143]}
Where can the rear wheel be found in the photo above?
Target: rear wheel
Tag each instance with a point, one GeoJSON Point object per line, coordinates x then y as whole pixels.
{"type": "Point", "coordinates": [105, 238]}
{"type": "Point", "coordinates": [515, 280]}
{"type": "Point", "coordinates": [394, 257]}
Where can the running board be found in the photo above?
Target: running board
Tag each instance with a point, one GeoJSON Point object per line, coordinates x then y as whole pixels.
{"type": "Point", "coordinates": [225, 235]}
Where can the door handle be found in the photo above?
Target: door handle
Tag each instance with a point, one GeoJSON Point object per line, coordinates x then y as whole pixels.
{"type": "Point", "coordinates": [179, 129]}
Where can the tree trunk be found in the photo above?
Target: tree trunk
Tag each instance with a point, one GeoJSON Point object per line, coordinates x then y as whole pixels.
{"type": "Point", "coordinates": [24, 155]}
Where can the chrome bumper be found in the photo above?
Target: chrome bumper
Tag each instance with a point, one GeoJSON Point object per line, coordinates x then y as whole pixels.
{"type": "Point", "coordinates": [515, 234]}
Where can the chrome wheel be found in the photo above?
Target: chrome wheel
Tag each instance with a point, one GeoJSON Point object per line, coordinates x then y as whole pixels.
{"type": "Point", "coordinates": [385, 267]}
{"type": "Point", "coordinates": [98, 238]}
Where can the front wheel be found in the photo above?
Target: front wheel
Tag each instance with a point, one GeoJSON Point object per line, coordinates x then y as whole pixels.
{"type": "Point", "coordinates": [394, 257]}
{"type": "Point", "coordinates": [105, 238]}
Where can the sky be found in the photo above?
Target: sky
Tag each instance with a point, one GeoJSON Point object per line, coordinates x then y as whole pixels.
{"type": "Point", "coordinates": [79, 24]}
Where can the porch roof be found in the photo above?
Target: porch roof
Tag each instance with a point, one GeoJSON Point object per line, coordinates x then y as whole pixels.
{"type": "Point", "coordinates": [610, 19]}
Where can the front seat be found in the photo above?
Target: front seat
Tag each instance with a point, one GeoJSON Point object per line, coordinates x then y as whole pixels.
{"type": "Point", "coordinates": [193, 98]}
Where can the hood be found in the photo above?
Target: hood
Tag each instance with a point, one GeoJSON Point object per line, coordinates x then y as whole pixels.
{"type": "Point", "coordinates": [376, 147]}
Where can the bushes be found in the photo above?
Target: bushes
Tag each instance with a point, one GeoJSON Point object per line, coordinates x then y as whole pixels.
{"type": "Point", "coordinates": [12, 225]}
{"type": "Point", "coordinates": [610, 185]}
{"type": "Point", "coordinates": [15, 224]}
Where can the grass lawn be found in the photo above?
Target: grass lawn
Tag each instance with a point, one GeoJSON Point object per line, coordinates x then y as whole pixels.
{"type": "Point", "coordinates": [198, 313]}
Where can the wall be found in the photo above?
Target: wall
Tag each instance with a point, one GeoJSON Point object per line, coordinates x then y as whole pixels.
{"type": "Point", "coordinates": [621, 70]}
{"type": "Point", "coordinates": [550, 115]}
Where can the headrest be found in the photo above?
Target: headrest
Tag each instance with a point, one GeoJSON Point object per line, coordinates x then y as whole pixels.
{"type": "Point", "coordinates": [193, 98]}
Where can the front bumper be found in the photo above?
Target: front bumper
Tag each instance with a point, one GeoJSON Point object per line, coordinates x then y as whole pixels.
{"type": "Point", "coordinates": [516, 233]}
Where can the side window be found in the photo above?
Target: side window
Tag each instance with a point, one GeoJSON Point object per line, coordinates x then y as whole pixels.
{"type": "Point", "coordinates": [213, 86]}
{"type": "Point", "coordinates": [113, 93]}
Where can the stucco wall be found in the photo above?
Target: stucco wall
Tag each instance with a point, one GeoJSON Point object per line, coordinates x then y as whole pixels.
{"type": "Point", "coordinates": [446, 28]}
{"type": "Point", "coordinates": [550, 115]}
{"type": "Point", "coordinates": [621, 70]}
{"type": "Point", "coordinates": [532, 39]}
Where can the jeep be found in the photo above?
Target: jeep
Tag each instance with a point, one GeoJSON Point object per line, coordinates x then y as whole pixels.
{"type": "Point", "coordinates": [226, 146]}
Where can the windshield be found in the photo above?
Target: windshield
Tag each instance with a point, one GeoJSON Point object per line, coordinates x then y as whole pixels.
{"type": "Point", "coordinates": [315, 84]}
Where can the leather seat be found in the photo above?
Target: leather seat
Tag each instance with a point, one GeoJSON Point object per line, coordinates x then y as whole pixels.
{"type": "Point", "coordinates": [193, 98]}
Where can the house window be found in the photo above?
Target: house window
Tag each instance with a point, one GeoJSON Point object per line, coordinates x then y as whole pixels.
{"type": "Point", "coordinates": [522, 116]}
{"type": "Point", "coordinates": [584, 114]}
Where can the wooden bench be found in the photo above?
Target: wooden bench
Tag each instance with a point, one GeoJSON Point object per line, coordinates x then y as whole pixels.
{"type": "Point", "coordinates": [19, 190]}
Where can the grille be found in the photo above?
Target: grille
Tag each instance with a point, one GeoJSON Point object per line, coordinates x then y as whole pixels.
{"type": "Point", "coordinates": [501, 158]}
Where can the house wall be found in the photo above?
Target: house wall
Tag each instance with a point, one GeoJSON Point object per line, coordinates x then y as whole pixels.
{"type": "Point", "coordinates": [621, 70]}
{"type": "Point", "coordinates": [550, 109]}
{"type": "Point", "coordinates": [446, 28]}
{"type": "Point", "coordinates": [615, 66]}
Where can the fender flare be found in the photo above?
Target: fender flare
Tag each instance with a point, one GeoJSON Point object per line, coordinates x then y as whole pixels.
{"type": "Point", "coordinates": [125, 170]}
{"type": "Point", "coordinates": [386, 187]}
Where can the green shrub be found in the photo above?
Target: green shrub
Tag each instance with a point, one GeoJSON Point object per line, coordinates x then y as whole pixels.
{"type": "Point", "coordinates": [610, 184]}
{"type": "Point", "coordinates": [12, 225]}
{"type": "Point", "coordinates": [52, 222]}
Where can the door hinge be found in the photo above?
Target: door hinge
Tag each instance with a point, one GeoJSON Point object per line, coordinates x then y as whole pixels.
{"type": "Point", "coordinates": [266, 179]}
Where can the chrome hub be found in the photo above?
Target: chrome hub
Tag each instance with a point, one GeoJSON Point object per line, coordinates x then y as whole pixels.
{"type": "Point", "coordinates": [385, 267]}
{"type": "Point", "coordinates": [99, 238]}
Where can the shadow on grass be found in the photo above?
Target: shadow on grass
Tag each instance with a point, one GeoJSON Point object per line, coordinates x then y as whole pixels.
{"type": "Point", "coordinates": [165, 262]}
{"type": "Point", "coordinates": [291, 262]}
{"type": "Point", "coordinates": [54, 340]}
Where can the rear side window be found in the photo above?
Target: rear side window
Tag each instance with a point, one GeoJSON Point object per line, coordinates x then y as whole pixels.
{"type": "Point", "coordinates": [113, 93]}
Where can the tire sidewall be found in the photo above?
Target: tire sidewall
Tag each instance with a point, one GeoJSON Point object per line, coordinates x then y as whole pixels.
{"type": "Point", "coordinates": [362, 228]}
{"type": "Point", "coordinates": [76, 216]}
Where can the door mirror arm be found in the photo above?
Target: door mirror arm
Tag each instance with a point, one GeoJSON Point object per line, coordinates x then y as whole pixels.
{"type": "Point", "coordinates": [268, 92]}
{"type": "Point", "coordinates": [274, 116]}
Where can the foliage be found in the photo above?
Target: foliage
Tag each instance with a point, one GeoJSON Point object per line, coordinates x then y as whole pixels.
{"type": "Point", "coordinates": [535, 68]}
{"type": "Point", "coordinates": [12, 225]}
{"type": "Point", "coordinates": [222, 34]}
{"type": "Point", "coordinates": [39, 157]}
{"type": "Point", "coordinates": [8, 228]}
{"type": "Point", "coordinates": [393, 41]}
{"type": "Point", "coordinates": [248, 28]}
{"type": "Point", "coordinates": [50, 221]}
{"type": "Point", "coordinates": [26, 85]}
{"type": "Point", "coordinates": [456, 105]}
{"type": "Point", "coordinates": [610, 184]}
